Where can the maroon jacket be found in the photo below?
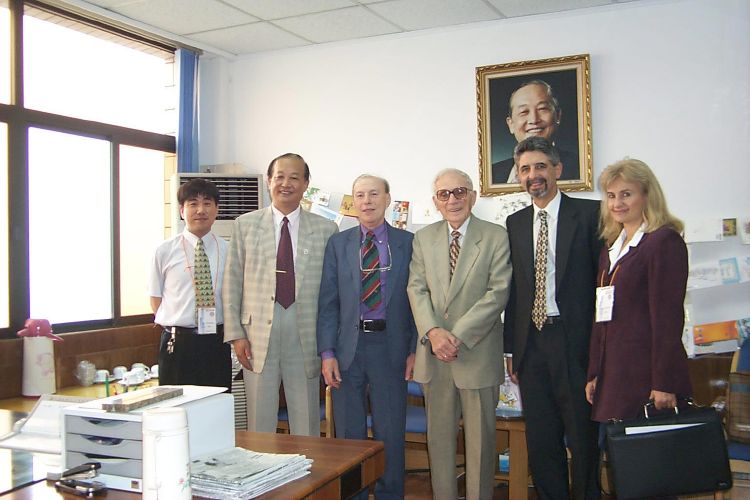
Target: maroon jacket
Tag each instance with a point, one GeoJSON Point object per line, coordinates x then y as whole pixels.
{"type": "Point", "coordinates": [640, 349]}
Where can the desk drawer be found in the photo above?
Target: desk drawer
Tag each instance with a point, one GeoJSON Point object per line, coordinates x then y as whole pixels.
{"type": "Point", "coordinates": [124, 429]}
{"type": "Point", "coordinates": [127, 467]}
{"type": "Point", "coordinates": [106, 446]}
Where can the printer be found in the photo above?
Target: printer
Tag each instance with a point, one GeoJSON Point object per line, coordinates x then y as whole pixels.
{"type": "Point", "coordinates": [91, 433]}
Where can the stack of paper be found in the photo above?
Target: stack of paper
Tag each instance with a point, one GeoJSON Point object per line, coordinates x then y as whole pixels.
{"type": "Point", "coordinates": [240, 473]}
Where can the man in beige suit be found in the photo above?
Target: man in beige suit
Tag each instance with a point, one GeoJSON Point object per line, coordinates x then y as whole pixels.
{"type": "Point", "coordinates": [270, 294]}
{"type": "Point", "coordinates": [459, 283]}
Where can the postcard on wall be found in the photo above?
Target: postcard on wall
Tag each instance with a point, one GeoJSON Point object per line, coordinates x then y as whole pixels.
{"type": "Point", "coordinates": [399, 214]}
{"type": "Point", "coordinates": [704, 275]}
{"type": "Point", "coordinates": [714, 332]}
{"type": "Point", "coordinates": [424, 212]}
{"type": "Point", "coordinates": [704, 229]}
{"type": "Point", "coordinates": [730, 271]}
{"type": "Point", "coordinates": [509, 204]}
{"type": "Point", "coordinates": [729, 227]}
{"type": "Point", "coordinates": [327, 213]}
{"type": "Point", "coordinates": [347, 206]}
{"type": "Point", "coordinates": [744, 230]}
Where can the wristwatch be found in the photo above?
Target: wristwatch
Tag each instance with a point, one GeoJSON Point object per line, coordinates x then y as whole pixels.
{"type": "Point", "coordinates": [425, 339]}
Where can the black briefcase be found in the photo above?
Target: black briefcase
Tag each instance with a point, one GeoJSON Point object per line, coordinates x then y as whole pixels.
{"type": "Point", "coordinates": [689, 457]}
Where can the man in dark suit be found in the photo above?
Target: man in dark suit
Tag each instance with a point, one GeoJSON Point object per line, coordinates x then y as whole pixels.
{"type": "Point", "coordinates": [533, 110]}
{"type": "Point", "coordinates": [554, 250]}
{"type": "Point", "coordinates": [366, 333]}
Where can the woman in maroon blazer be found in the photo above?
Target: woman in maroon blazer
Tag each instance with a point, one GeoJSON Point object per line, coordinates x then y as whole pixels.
{"type": "Point", "coordinates": [636, 352]}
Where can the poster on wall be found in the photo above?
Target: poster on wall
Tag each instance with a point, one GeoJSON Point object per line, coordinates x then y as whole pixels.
{"type": "Point", "coordinates": [547, 97]}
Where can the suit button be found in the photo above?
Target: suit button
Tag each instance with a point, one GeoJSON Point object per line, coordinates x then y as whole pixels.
{"type": "Point", "coordinates": [445, 316]}
{"type": "Point", "coordinates": [270, 322]}
{"type": "Point", "coordinates": [273, 299]}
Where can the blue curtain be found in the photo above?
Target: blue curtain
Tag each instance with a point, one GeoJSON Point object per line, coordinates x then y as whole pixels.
{"type": "Point", "coordinates": [187, 113]}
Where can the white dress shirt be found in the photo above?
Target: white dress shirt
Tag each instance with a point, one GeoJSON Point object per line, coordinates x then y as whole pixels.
{"type": "Point", "coordinates": [462, 229]}
{"type": "Point", "coordinates": [170, 276]}
{"type": "Point", "coordinates": [617, 252]}
{"type": "Point", "coordinates": [553, 211]}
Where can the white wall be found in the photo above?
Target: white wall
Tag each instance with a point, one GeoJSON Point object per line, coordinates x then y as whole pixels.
{"type": "Point", "coordinates": [670, 85]}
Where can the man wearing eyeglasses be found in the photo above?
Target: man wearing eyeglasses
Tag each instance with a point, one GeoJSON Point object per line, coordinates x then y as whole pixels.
{"type": "Point", "coordinates": [459, 283]}
{"type": "Point", "coordinates": [366, 333]}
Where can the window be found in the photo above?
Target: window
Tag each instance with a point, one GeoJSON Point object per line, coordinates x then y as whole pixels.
{"type": "Point", "coordinates": [4, 52]}
{"type": "Point", "coordinates": [88, 147]}
{"type": "Point", "coordinates": [4, 314]}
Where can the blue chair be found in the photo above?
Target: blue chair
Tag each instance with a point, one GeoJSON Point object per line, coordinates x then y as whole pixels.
{"type": "Point", "coordinates": [740, 452]}
{"type": "Point", "coordinates": [326, 416]}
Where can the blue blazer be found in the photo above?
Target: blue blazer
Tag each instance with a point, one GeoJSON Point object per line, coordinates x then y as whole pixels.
{"type": "Point", "coordinates": [338, 302]}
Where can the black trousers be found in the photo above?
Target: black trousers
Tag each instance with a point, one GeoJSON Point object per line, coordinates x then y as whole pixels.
{"type": "Point", "coordinates": [195, 360]}
{"type": "Point", "coordinates": [557, 414]}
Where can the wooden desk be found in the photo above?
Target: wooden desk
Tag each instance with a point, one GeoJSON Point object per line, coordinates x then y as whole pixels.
{"type": "Point", "coordinates": [518, 476]}
{"type": "Point", "coordinates": [95, 391]}
{"type": "Point", "coordinates": [340, 468]}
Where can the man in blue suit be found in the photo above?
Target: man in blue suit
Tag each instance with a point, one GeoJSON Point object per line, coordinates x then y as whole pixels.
{"type": "Point", "coordinates": [366, 332]}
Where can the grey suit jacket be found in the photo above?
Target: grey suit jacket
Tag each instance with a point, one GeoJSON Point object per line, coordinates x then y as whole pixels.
{"type": "Point", "coordinates": [249, 286]}
{"type": "Point", "coordinates": [468, 306]}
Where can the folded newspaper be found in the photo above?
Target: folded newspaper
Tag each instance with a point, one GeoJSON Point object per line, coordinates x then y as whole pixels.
{"type": "Point", "coordinates": [238, 473]}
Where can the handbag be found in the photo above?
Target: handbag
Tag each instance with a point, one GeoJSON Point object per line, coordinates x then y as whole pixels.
{"type": "Point", "coordinates": [678, 453]}
{"type": "Point", "coordinates": [738, 418]}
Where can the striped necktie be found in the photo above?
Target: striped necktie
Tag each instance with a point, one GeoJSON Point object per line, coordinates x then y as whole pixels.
{"type": "Point", "coordinates": [370, 273]}
{"type": "Point", "coordinates": [455, 248]}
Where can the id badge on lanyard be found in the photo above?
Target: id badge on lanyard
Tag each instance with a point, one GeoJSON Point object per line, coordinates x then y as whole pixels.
{"type": "Point", "coordinates": [605, 301]}
{"type": "Point", "coordinates": [206, 320]}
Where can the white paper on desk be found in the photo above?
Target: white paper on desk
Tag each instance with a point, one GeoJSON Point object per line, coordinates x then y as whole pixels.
{"type": "Point", "coordinates": [658, 428]}
{"type": "Point", "coordinates": [40, 431]}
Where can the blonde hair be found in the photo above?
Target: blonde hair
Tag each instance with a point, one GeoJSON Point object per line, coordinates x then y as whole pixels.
{"type": "Point", "coordinates": [655, 212]}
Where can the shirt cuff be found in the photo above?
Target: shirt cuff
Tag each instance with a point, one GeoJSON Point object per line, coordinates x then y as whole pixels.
{"type": "Point", "coordinates": [328, 354]}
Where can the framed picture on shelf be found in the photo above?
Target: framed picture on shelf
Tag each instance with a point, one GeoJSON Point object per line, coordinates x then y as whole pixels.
{"type": "Point", "coordinates": [546, 97]}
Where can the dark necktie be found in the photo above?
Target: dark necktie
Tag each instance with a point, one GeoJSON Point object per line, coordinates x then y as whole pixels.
{"type": "Point", "coordinates": [455, 248]}
{"type": "Point", "coordinates": [539, 309]}
{"type": "Point", "coordinates": [285, 268]}
{"type": "Point", "coordinates": [370, 273]}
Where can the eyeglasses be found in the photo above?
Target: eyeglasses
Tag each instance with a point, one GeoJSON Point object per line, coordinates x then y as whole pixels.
{"type": "Point", "coordinates": [381, 269]}
{"type": "Point", "coordinates": [444, 194]}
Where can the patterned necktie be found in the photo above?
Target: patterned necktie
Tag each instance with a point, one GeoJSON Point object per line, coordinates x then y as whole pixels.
{"type": "Point", "coordinates": [370, 273]}
{"type": "Point", "coordinates": [539, 309]}
{"type": "Point", "coordinates": [285, 268]}
{"type": "Point", "coordinates": [204, 287]}
{"type": "Point", "coordinates": [454, 250]}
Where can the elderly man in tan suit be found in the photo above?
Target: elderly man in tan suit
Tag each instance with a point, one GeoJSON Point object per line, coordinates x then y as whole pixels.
{"type": "Point", "coordinates": [270, 294]}
{"type": "Point", "coordinates": [459, 283]}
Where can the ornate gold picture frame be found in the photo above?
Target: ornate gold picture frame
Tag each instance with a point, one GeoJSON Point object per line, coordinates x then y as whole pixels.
{"type": "Point", "coordinates": [549, 97]}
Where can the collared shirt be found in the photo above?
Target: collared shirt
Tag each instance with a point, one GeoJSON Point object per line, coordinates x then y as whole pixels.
{"type": "Point", "coordinates": [617, 252]}
{"type": "Point", "coordinates": [462, 229]}
{"type": "Point", "coordinates": [278, 219]}
{"type": "Point", "coordinates": [381, 243]}
{"type": "Point", "coordinates": [170, 276]}
{"type": "Point", "coordinates": [553, 211]}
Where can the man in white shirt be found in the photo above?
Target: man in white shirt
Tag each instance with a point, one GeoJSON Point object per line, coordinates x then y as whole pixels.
{"type": "Point", "coordinates": [185, 278]}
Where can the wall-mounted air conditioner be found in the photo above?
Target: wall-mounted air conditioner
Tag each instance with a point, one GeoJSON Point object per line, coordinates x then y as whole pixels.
{"type": "Point", "coordinates": [238, 194]}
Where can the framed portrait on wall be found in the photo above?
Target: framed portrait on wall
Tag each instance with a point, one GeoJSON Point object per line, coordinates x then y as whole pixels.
{"type": "Point", "coordinates": [546, 97]}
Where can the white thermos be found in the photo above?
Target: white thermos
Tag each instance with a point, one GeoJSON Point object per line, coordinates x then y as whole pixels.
{"type": "Point", "coordinates": [166, 455]}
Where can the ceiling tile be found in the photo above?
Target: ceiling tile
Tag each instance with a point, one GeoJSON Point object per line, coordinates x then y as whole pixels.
{"type": "Point", "coordinates": [515, 8]}
{"type": "Point", "coordinates": [250, 38]}
{"type": "Point", "coordinates": [184, 16]}
{"type": "Point", "coordinates": [278, 9]}
{"type": "Point", "coordinates": [421, 14]}
{"type": "Point", "coordinates": [343, 24]}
